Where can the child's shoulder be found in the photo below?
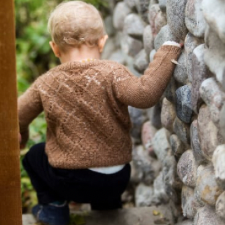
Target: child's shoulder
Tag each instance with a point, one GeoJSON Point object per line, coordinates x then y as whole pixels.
{"type": "Point", "coordinates": [99, 64]}
{"type": "Point", "coordinates": [44, 78]}
{"type": "Point", "coordinates": [113, 66]}
{"type": "Point", "coordinates": [103, 66]}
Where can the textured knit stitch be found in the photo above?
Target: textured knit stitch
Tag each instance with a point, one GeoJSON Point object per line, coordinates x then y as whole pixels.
{"type": "Point", "coordinates": [86, 108]}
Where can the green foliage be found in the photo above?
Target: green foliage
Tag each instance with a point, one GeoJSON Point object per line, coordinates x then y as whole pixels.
{"type": "Point", "coordinates": [37, 135]}
{"type": "Point", "coordinates": [34, 57]}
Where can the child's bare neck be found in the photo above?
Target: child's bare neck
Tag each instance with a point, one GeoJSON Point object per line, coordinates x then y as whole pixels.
{"type": "Point", "coordinates": [79, 54]}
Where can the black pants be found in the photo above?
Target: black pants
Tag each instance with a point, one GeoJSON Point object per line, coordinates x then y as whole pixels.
{"type": "Point", "coordinates": [102, 191]}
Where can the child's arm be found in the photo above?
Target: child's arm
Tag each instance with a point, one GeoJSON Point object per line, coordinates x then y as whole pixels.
{"type": "Point", "coordinates": [29, 106]}
{"type": "Point", "coordinates": [144, 92]}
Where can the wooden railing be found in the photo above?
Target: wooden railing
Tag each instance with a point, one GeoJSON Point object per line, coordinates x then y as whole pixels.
{"type": "Point", "coordinates": [10, 200]}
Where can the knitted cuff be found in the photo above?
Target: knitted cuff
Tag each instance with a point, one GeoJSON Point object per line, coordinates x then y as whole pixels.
{"type": "Point", "coordinates": [172, 43]}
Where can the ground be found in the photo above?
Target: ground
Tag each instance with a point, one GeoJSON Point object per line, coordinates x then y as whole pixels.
{"type": "Point", "coordinates": [131, 216]}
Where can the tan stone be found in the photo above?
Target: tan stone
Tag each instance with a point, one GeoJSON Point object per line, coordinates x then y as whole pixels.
{"type": "Point", "coordinates": [147, 134]}
{"type": "Point", "coordinates": [186, 168]}
{"type": "Point", "coordinates": [208, 133]}
{"type": "Point", "coordinates": [190, 205]}
{"type": "Point", "coordinates": [207, 188]}
{"type": "Point", "coordinates": [168, 114]}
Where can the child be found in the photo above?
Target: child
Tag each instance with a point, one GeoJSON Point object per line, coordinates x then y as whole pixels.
{"type": "Point", "coordinates": [88, 148]}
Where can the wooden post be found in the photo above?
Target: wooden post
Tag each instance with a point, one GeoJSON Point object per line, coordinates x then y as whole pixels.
{"type": "Point", "coordinates": [10, 196]}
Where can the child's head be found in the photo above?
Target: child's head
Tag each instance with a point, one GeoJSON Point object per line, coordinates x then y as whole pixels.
{"type": "Point", "coordinates": [75, 23]}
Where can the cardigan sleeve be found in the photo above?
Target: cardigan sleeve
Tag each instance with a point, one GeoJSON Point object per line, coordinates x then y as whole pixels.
{"type": "Point", "coordinates": [29, 106]}
{"type": "Point", "coordinates": [145, 91]}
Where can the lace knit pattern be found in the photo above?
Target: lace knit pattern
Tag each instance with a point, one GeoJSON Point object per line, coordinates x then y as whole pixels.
{"type": "Point", "coordinates": [86, 108]}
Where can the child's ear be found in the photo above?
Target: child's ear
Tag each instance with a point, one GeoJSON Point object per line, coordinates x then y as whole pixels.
{"type": "Point", "coordinates": [55, 48]}
{"type": "Point", "coordinates": [101, 42]}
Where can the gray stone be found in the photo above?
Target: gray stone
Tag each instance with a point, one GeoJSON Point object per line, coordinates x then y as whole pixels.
{"type": "Point", "coordinates": [161, 143]}
{"type": "Point", "coordinates": [152, 54]}
{"type": "Point", "coordinates": [189, 204]}
{"type": "Point", "coordinates": [140, 61]}
{"type": "Point", "coordinates": [135, 176]}
{"type": "Point", "coordinates": [214, 98]}
{"type": "Point", "coordinates": [146, 168]}
{"type": "Point", "coordinates": [142, 8]}
{"type": "Point", "coordinates": [133, 25]}
{"type": "Point", "coordinates": [190, 43]}
{"type": "Point", "coordinates": [131, 46]}
{"type": "Point", "coordinates": [223, 80]}
{"type": "Point", "coordinates": [215, 17]}
{"type": "Point", "coordinates": [222, 122]}
{"type": "Point", "coordinates": [119, 35]}
{"type": "Point", "coordinates": [109, 48]}
{"type": "Point", "coordinates": [131, 3]}
{"type": "Point", "coordinates": [163, 35]}
{"type": "Point", "coordinates": [185, 222]}
{"type": "Point", "coordinates": [168, 114]}
{"type": "Point", "coordinates": [130, 65]}
{"type": "Point", "coordinates": [187, 168]}
{"type": "Point", "coordinates": [120, 12]}
{"type": "Point", "coordinates": [118, 56]}
{"type": "Point", "coordinates": [208, 133]}
{"type": "Point", "coordinates": [196, 191]}
{"type": "Point", "coordinates": [28, 219]}
{"type": "Point", "coordinates": [137, 118]}
{"type": "Point", "coordinates": [183, 106]}
{"type": "Point", "coordinates": [110, 30]}
{"type": "Point", "coordinates": [171, 180]}
{"type": "Point", "coordinates": [194, 18]}
{"type": "Point", "coordinates": [176, 145]}
{"type": "Point", "coordinates": [160, 21]}
{"type": "Point", "coordinates": [220, 206]}
{"type": "Point", "coordinates": [195, 143]}
{"type": "Point", "coordinates": [147, 134]}
{"type": "Point", "coordinates": [214, 55]}
{"type": "Point", "coordinates": [160, 194]}
{"type": "Point", "coordinates": [207, 188]}
{"type": "Point", "coordinates": [148, 39]}
{"type": "Point", "coordinates": [199, 73]}
{"type": "Point", "coordinates": [170, 92]}
{"type": "Point", "coordinates": [219, 164]}
{"type": "Point", "coordinates": [182, 131]}
{"type": "Point", "coordinates": [143, 195]}
{"type": "Point", "coordinates": [154, 115]}
{"type": "Point", "coordinates": [157, 19]}
{"type": "Point", "coordinates": [176, 18]}
{"type": "Point", "coordinates": [153, 2]}
{"type": "Point", "coordinates": [111, 5]}
{"type": "Point", "coordinates": [162, 5]}
{"type": "Point", "coordinates": [207, 216]}
{"type": "Point", "coordinates": [180, 72]}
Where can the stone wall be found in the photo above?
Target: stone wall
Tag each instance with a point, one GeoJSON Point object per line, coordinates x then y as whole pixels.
{"type": "Point", "coordinates": [179, 158]}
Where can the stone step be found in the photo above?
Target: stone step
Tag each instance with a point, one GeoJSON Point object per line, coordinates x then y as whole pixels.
{"type": "Point", "coordinates": [132, 216]}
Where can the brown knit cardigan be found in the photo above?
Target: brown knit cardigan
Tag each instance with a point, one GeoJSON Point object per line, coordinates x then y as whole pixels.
{"type": "Point", "coordinates": [86, 108]}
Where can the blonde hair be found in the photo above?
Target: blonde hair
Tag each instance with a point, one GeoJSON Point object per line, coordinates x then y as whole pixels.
{"type": "Point", "coordinates": [74, 23]}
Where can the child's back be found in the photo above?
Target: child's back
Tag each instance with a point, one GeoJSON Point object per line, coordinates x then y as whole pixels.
{"type": "Point", "coordinates": [87, 125]}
